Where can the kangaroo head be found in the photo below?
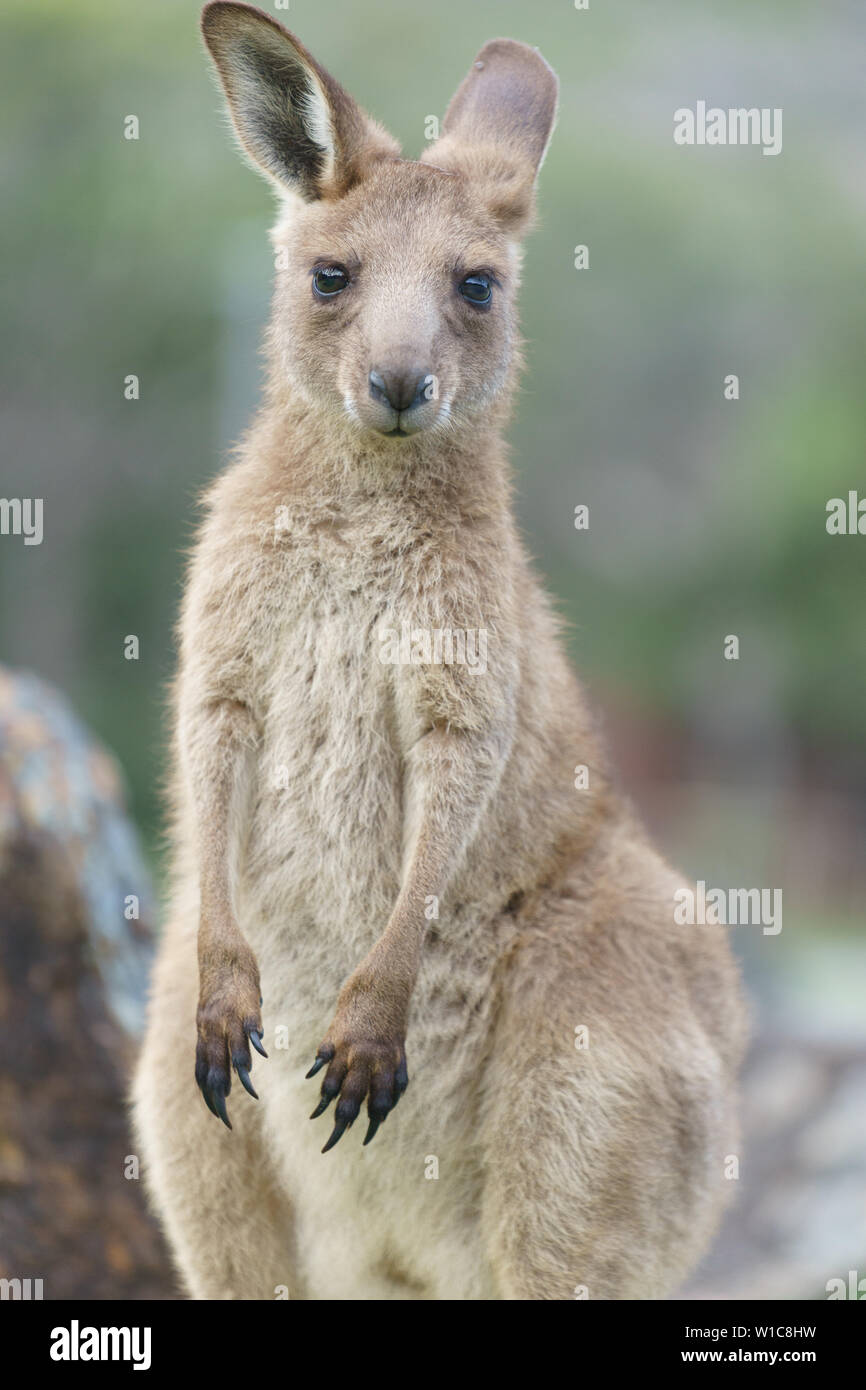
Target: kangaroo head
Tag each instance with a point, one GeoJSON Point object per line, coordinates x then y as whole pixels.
{"type": "Point", "coordinates": [396, 279]}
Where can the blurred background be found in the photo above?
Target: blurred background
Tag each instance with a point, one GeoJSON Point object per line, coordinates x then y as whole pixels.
{"type": "Point", "coordinates": [707, 518]}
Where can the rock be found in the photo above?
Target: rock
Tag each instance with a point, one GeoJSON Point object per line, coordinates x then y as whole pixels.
{"type": "Point", "coordinates": [73, 973]}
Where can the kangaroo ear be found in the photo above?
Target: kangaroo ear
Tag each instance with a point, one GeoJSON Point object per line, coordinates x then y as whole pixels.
{"type": "Point", "coordinates": [498, 125]}
{"type": "Point", "coordinates": [291, 117]}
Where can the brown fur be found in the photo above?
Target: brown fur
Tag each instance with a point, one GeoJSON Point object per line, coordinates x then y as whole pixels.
{"type": "Point", "coordinates": [326, 801]}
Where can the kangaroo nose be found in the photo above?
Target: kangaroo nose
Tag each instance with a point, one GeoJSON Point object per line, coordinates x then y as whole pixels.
{"type": "Point", "coordinates": [402, 389]}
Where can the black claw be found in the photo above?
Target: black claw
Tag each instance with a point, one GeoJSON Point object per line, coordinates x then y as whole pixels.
{"type": "Point", "coordinates": [401, 1081]}
{"type": "Point", "coordinates": [317, 1066]}
{"type": "Point", "coordinates": [339, 1130]}
{"type": "Point", "coordinates": [321, 1107]}
{"type": "Point", "coordinates": [220, 1104]}
{"type": "Point", "coordinates": [256, 1040]}
{"type": "Point", "coordinates": [209, 1103]}
{"type": "Point", "coordinates": [374, 1125]}
{"type": "Point", "coordinates": [244, 1075]}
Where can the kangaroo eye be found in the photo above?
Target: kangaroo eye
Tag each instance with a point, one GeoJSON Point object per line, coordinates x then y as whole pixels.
{"type": "Point", "coordinates": [328, 281]}
{"type": "Point", "coordinates": [476, 288]}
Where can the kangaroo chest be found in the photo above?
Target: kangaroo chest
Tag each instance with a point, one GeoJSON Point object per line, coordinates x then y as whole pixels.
{"type": "Point", "coordinates": [325, 838]}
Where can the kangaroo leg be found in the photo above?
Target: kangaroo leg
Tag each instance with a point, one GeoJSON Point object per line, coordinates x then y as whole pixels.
{"type": "Point", "coordinates": [606, 1161]}
{"type": "Point", "coordinates": [228, 1223]}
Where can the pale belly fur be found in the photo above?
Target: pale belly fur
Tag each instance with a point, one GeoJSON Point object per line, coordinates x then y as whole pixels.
{"type": "Point", "coordinates": [318, 879]}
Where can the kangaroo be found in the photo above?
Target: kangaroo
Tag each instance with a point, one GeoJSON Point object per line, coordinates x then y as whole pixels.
{"type": "Point", "coordinates": [384, 864]}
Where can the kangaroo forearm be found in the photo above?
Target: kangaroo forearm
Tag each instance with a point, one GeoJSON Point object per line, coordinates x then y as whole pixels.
{"type": "Point", "coordinates": [455, 775]}
{"type": "Point", "coordinates": [216, 740]}
{"type": "Point", "coordinates": [397, 953]}
{"type": "Point", "coordinates": [217, 737]}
